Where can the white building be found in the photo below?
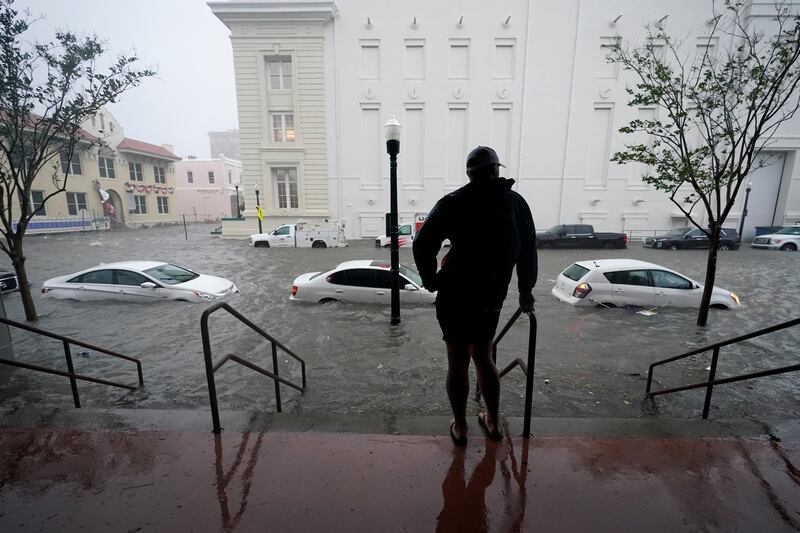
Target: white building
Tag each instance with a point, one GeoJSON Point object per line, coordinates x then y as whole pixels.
{"type": "Point", "coordinates": [316, 80]}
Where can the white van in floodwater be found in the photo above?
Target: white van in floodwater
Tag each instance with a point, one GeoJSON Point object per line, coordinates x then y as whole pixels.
{"type": "Point", "coordinates": [302, 235]}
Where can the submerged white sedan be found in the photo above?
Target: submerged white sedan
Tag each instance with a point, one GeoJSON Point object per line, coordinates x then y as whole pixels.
{"type": "Point", "coordinates": [138, 281]}
{"type": "Point", "coordinates": [620, 282]}
{"type": "Point", "coordinates": [360, 281]}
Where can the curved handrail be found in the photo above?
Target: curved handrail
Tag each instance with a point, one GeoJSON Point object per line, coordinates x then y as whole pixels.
{"type": "Point", "coordinates": [76, 343]}
{"type": "Point", "coordinates": [727, 342]}
{"type": "Point", "coordinates": [211, 367]}
{"type": "Point", "coordinates": [222, 305]}
{"type": "Point", "coordinates": [73, 377]}
{"type": "Point", "coordinates": [527, 368]}
{"type": "Point", "coordinates": [712, 381]}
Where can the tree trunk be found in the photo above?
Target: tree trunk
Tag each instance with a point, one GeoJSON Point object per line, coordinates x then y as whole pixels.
{"type": "Point", "coordinates": [711, 274]}
{"type": "Point", "coordinates": [24, 285]}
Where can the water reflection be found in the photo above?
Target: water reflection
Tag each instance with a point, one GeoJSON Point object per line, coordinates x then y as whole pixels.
{"type": "Point", "coordinates": [464, 498]}
{"type": "Point", "coordinates": [224, 478]}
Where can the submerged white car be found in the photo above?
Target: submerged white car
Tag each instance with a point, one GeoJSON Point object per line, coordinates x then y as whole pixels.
{"type": "Point", "coordinates": [138, 281]}
{"type": "Point", "coordinates": [362, 281]}
{"type": "Point", "coordinates": [618, 282]}
{"type": "Point", "coordinates": [785, 240]}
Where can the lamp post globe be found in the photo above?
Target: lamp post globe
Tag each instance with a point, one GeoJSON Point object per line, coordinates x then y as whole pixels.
{"type": "Point", "coordinates": [392, 130]}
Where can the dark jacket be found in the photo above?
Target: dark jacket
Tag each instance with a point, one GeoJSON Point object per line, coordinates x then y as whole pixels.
{"type": "Point", "coordinates": [491, 229]}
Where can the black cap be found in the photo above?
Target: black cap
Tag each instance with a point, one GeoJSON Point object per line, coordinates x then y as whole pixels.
{"type": "Point", "coordinates": [482, 156]}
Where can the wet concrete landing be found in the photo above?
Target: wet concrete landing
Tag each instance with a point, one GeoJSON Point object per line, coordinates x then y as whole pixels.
{"type": "Point", "coordinates": [93, 479]}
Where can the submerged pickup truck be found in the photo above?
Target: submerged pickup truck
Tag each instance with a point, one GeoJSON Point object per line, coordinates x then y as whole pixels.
{"type": "Point", "coordinates": [579, 236]}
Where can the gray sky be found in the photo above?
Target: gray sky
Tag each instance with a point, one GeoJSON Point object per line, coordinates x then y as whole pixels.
{"type": "Point", "coordinates": [194, 91]}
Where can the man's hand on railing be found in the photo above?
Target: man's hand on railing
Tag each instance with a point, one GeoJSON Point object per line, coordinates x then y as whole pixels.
{"type": "Point", "coordinates": [526, 301]}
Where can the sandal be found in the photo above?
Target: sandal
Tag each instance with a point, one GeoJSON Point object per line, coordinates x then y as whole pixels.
{"type": "Point", "coordinates": [462, 442]}
{"type": "Point", "coordinates": [497, 436]}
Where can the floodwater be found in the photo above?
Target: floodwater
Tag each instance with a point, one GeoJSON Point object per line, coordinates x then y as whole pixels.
{"type": "Point", "coordinates": [591, 362]}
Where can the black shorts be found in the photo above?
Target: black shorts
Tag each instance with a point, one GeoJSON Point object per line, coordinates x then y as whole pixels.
{"type": "Point", "coordinates": [463, 323]}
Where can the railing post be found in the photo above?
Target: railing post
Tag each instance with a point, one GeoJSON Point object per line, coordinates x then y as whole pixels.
{"type": "Point", "coordinates": [72, 381]}
{"type": "Point", "coordinates": [212, 388]}
{"type": "Point", "coordinates": [710, 387]}
{"type": "Point", "coordinates": [649, 380]}
{"type": "Point", "coordinates": [275, 371]}
{"type": "Point", "coordinates": [526, 429]}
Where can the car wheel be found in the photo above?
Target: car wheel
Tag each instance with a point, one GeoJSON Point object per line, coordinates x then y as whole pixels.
{"type": "Point", "coordinates": [718, 306]}
{"type": "Point", "coordinates": [261, 244]}
{"type": "Point", "coordinates": [789, 247]}
{"type": "Point", "coordinates": [724, 247]}
{"type": "Point", "coordinates": [319, 244]}
{"type": "Point", "coordinates": [672, 247]}
{"type": "Point", "coordinates": [328, 300]}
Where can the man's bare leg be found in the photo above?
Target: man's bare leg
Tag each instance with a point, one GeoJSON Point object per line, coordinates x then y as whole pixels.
{"type": "Point", "coordinates": [488, 381]}
{"type": "Point", "coordinates": [458, 384]}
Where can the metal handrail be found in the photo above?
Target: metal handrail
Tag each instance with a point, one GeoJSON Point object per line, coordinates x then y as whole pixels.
{"type": "Point", "coordinates": [526, 429]}
{"type": "Point", "coordinates": [712, 381]}
{"type": "Point", "coordinates": [211, 368]}
{"type": "Point", "coordinates": [73, 377]}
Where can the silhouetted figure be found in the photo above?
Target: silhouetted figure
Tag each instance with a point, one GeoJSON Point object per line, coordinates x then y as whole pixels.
{"type": "Point", "coordinates": [490, 228]}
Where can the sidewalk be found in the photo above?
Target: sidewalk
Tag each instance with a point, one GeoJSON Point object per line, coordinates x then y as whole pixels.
{"type": "Point", "coordinates": [164, 471]}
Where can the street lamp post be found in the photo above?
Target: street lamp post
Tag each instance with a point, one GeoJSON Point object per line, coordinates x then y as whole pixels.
{"type": "Point", "coordinates": [744, 211]}
{"type": "Point", "coordinates": [392, 128]}
{"type": "Point", "coordinates": [258, 205]}
{"type": "Point", "coordinates": [238, 208]}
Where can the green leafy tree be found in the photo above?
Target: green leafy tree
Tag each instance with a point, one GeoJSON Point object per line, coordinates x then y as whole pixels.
{"type": "Point", "coordinates": [717, 111]}
{"type": "Point", "coordinates": [47, 90]}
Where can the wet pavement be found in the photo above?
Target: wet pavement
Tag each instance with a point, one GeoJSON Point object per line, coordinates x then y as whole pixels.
{"type": "Point", "coordinates": [265, 477]}
{"type": "Point", "coordinates": [594, 360]}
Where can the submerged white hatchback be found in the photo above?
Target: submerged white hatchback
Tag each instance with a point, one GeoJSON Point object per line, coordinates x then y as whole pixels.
{"type": "Point", "coordinates": [138, 281]}
{"type": "Point", "coordinates": [362, 281]}
{"type": "Point", "coordinates": [619, 282]}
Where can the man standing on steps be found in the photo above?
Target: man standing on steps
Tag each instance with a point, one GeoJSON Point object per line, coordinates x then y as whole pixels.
{"type": "Point", "coordinates": [491, 230]}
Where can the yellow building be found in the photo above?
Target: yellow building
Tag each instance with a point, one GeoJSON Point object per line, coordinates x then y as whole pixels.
{"type": "Point", "coordinates": [115, 182]}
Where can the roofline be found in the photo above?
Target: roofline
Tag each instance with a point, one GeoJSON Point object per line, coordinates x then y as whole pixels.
{"type": "Point", "coordinates": [150, 154]}
{"type": "Point", "coordinates": [298, 10]}
{"type": "Point", "coordinates": [209, 159]}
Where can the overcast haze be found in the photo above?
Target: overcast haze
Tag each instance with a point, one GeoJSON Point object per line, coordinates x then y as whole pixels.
{"type": "Point", "coordinates": [194, 92]}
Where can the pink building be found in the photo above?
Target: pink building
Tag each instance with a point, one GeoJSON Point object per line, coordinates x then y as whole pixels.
{"type": "Point", "coordinates": [206, 188]}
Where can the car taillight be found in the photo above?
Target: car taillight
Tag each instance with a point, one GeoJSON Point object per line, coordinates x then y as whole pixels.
{"type": "Point", "coordinates": [294, 290]}
{"type": "Point", "coordinates": [624, 238]}
{"type": "Point", "coordinates": [582, 290]}
{"type": "Point", "coordinates": [735, 297]}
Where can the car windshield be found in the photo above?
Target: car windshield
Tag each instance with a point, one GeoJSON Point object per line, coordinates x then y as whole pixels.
{"type": "Point", "coordinates": [171, 274]}
{"type": "Point", "coordinates": [794, 230]}
{"type": "Point", "coordinates": [554, 229]}
{"type": "Point", "coordinates": [411, 274]}
{"type": "Point", "coordinates": [677, 232]}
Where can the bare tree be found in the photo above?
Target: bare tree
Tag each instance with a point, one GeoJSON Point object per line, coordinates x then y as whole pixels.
{"type": "Point", "coordinates": [722, 109]}
{"type": "Point", "coordinates": [47, 90]}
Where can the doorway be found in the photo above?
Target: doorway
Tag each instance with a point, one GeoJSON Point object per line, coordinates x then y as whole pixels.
{"type": "Point", "coordinates": [763, 203]}
{"type": "Point", "coordinates": [118, 218]}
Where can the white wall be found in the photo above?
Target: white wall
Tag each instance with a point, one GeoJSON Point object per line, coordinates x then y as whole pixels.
{"type": "Point", "coordinates": [550, 105]}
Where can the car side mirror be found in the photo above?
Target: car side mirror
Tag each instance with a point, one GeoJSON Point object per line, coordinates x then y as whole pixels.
{"type": "Point", "coordinates": [687, 236]}
{"type": "Point", "coordinates": [562, 232]}
{"type": "Point", "coordinates": [148, 285]}
{"type": "Point", "coordinates": [409, 287]}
